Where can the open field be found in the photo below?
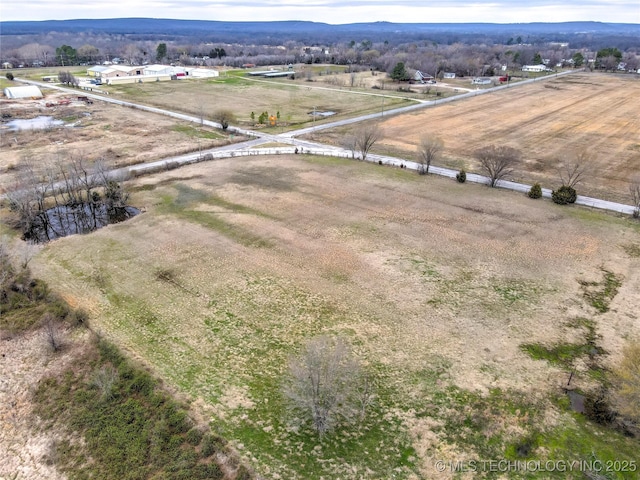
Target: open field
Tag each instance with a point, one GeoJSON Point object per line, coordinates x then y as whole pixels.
{"type": "Point", "coordinates": [548, 121]}
{"type": "Point", "coordinates": [436, 284]}
{"type": "Point", "coordinates": [295, 101]}
{"type": "Point", "coordinates": [119, 136]}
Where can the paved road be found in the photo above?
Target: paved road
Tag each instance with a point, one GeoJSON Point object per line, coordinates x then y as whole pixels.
{"type": "Point", "coordinates": [308, 146]}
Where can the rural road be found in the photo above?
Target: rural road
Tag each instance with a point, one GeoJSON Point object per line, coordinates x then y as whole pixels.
{"type": "Point", "coordinates": [306, 146]}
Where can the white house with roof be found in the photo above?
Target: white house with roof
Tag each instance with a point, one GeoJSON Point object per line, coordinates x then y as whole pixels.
{"type": "Point", "coordinates": [423, 77]}
{"type": "Point", "coordinates": [534, 68]}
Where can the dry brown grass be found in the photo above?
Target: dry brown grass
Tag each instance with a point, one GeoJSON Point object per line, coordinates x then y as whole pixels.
{"type": "Point", "coordinates": [119, 136]}
{"type": "Point", "coordinates": [415, 271]}
{"type": "Point", "coordinates": [549, 122]}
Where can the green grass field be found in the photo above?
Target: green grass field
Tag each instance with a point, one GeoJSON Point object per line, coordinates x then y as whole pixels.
{"type": "Point", "coordinates": [237, 263]}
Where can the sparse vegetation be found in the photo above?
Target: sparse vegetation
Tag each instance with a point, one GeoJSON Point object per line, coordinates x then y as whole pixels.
{"type": "Point", "coordinates": [600, 294]}
{"type": "Point", "coordinates": [461, 176]}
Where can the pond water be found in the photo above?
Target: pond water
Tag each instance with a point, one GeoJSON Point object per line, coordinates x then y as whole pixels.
{"type": "Point", "coordinates": [322, 114]}
{"type": "Point", "coordinates": [66, 220]}
{"type": "Point", "coordinates": [39, 123]}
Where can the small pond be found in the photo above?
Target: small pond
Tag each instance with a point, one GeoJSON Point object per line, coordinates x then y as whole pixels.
{"type": "Point", "coordinates": [66, 220]}
{"type": "Point", "coordinates": [322, 114]}
{"type": "Point", "coordinates": [39, 123]}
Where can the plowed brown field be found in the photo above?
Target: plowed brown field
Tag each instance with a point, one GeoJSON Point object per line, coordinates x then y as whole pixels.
{"type": "Point", "coordinates": [548, 121]}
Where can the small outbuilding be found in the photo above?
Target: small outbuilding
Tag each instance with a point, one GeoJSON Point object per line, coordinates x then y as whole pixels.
{"type": "Point", "coordinates": [481, 81]}
{"type": "Point", "coordinates": [534, 68]}
{"type": "Point", "coordinates": [27, 91]}
{"type": "Point", "coordinates": [423, 77]}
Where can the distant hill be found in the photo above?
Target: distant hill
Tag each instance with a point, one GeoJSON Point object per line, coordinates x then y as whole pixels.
{"type": "Point", "coordinates": [309, 31]}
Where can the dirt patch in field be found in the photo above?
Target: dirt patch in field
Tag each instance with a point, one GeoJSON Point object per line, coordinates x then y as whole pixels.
{"type": "Point", "coordinates": [418, 272]}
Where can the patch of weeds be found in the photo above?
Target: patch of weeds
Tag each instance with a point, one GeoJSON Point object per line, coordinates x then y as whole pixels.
{"type": "Point", "coordinates": [143, 188]}
{"type": "Point", "coordinates": [523, 447]}
{"type": "Point", "coordinates": [510, 294]}
{"type": "Point", "coordinates": [130, 427]}
{"type": "Point", "coordinates": [194, 132]}
{"type": "Point", "coordinates": [600, 294]}
{"type": "Point", "coordinates": [565, 355]}
{"type": "Point", "coordinates": [632, 249]}
{"type": "Point", "coordinates": [424, 268]}
{"type": "Point", "coordinates": [578, 439]}
{"type": "Point", "coordinates": [560, 354]}
{"type": "Point", "coordinates": [482, 423]}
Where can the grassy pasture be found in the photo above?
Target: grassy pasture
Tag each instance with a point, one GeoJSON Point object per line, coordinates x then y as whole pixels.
{"type": "Point", "coordinates": [294, 100]}
{"type": "Point", "coordinates": [437, 285]}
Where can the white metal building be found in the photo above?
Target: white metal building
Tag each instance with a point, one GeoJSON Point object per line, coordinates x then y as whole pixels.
{"type": "Point", "coordinates": [28, 91]}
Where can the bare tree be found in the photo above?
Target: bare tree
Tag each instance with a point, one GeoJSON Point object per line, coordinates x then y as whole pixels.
{"type": "Point", "coordinates": [571, 173]}
{"type": "Point", "coordinates": [428, 151]}
{"type": "Point", "coordinates": [349, 143]}
{"type": "Point", "coordinates": [52, 333]}
{"type": "Point", "coordinates": [634, 190]}
{"type": "Point", "coordinates": [366, 137]}
{"type": "Point", "coordinates": [497, 162]}
{"type": "Point", "coordinates": [323, 383]}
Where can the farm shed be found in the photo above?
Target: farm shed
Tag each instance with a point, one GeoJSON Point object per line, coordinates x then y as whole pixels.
{"type": "Point", "coordinates": [138, 79]}
{"type": "Point", "coordinates": [449, 75]}
{"type": "Point", "coordinates": [29, 91]}
{"type": "Point", "coordinates": [277, 74]}
{"type": "Point", "coordinates": [96, 71]}
{"type": "Point", "coordinates": [159, 70]}
{"type": "Point", "coordinates": [202, 72]}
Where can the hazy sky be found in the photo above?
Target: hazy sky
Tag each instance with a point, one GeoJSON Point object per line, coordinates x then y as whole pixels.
{"type": "Point", "coordinates": [332, 11]}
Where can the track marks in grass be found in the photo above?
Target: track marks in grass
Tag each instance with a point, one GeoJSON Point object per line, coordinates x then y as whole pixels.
{"type": "Point", "coordinates": [184, 205]}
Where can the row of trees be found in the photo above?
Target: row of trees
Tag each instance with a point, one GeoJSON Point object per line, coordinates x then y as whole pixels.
{"type": "Point", "coordinates": [464, 59]}
{"type": "Point", "coordinates": [496, 162]}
